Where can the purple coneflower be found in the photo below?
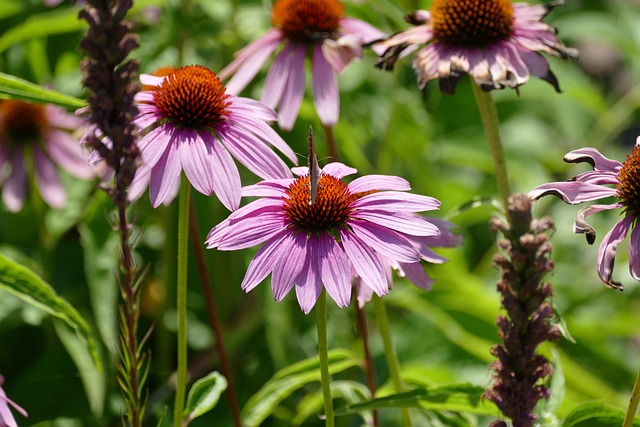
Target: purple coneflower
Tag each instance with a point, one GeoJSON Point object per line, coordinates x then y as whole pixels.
{"type": "Point", "coordinates": [495, 41]}
{"type": "Point", "coordinates": [6, 417]}
{"type": "Point", "coordinates": [195, 126]}
{"type": "Point", "coordinates": [349, 227]}
{"type": "Point", "coordinates": [41, 133]}
{"type": "Point", "coordinates": [305, 27]}
{"type": "Point", "coordinates": [608, 178]}
{"type": "Point", "coordinates": [414, 271]}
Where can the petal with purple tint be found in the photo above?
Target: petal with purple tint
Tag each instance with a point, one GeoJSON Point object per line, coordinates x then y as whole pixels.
{"type": "Point", "coordinates": [272, 188]}
{"type": "Point", "coordinates": [334, 268]}
{"type": "Point", "coordinates": [251, 107]}
{"type": "Point", "coordinates": [339, 53]}
{"type": "Point", "coordinates": [294, 90]}
{"type": "Point", "coordinates": [263, 262]}
{"type": "Point", "coordinates": [396, 201]}
{"type": "Point", "coordinates": [293, 255]}
{"type": "Point", "coordinates": [249, 61]}
{"type": "Point", "coordinates": [15, 187]}
{"type": "Point", "coordinates": [378, 183]}
{"type": "Point", "coordinates": [265, 133]}
{"type": "Point", "coordinates": [385, 241]}
{"type": "Point", "coordinates": [399, 221]}
{"type": "Point", "coordinates": [607, 251]}
{"type": "Point", "coordinates": [196, 160]}
{"type": "Point", "coordinates": [68, 154]}
{"type": "Point", "coordinates": [154, 144]}
{"type": "Point", "coordinates": [309, 281]}
{"type": "Point", "coordinates": [364, 30]}
{"type": "Point", "coordinates": [338, 170]}
{"type": "Point", "coordinates": [634, 253]}
{"type": "Point", "coordinates": [60, 119]}
{"type": "Point", "coordinates": [416, 274]}
{"type": "Point", "coordinates": [326, 97]}
{"type": "Point", "coordinates": [151, 80]}
{"type": "Point", "coordinates": [572, 192]}
{"type": "Point", "coordinates": [365, 262]}
{"type": "Point", "coordinates": [226, 178]}
{"type": "Point", "coordinates": [594, 158]}
{"type": "Point", "coordinates": [165, 176]}
{"type": "Point", "coordinates": [580, 225]}
{"type": "Point", "coordinates": [253, 231]}
{"type": "Point", "coordinates": [277, 77]}
{"type": "Point", "coordinates": [47, 180]}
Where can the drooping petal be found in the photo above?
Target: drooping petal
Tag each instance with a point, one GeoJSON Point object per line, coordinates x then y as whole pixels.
{"type": "Point", "coordinates": [309, 281]}
{"type": "Point", "coordinates": [365, 262]}
{"type": "Point", "coordinates": [337, 170]}
{"type": "Point", "coordinates": [47, 180]}
{"type": "Point", "coordinates": [294, 254]}
{"type": "Point", "coordinates": [248, 233]}
{"type": "Point", "coordinates": [607, 251]}
{"type": "Point", "coordinates": [263, 262]}
{"type": "Point", "coordinates": [594, 158]}
{"type": "Point", "coordinates": [15, 187]}
{"type": "Point", "coordinates": [68, 154]}
{"type": "Point", "coordinates": [363, 30]}
{"type": "Point", "coordinates": [399, 221]}
{"type": "Point", "coordinates": [385, 241]}
{"type": "Point", "coordinates": [397, 201]}
{"type": "Point", "coordinates": [339, 53]}
{"type": "Point", "coordinates": [277, 77]}
{"type": "Point", "coordinates": [326, 97]}
{"type": "Point", "coordinates": [378, 183]}
{"type": "Point", "coordinates": [197, 161]}
{"type": "Point", "coordinates": [165, 176]}
{"type": "Point", "coordinates": [294, 90]}
{"type": "Point", "coordinates": [416, 274]}
{"type": "Point", "coordinates": [334, 268]}
{"type": "Point", "coordinates": [580, 224]}
{"type": "Point", "coordinates": [634, 253]}
{"type": "Point", "coordinates": [572, 192]}
{"type": "Point", "coordinates": [226, 179]}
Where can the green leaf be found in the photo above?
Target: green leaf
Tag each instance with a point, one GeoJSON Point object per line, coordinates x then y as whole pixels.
{"type": "Point", "coordinates": [59, 21]}
{"type": "Point", "coordinates": [12, 87]}
{"type": "Point", "coordinates": [204, 395]}
{"type": "Point", "coordinates": [596, 414]}
{"type": "Point", "coordinates": [23, 283]}
{"type": "Point", "coordinates": [290, 379]}
{"type": "Point", "coordinates": [453, 398]}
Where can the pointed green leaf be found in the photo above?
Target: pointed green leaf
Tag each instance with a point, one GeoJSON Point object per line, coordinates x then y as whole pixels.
{"type": "Point", "coordinates": [12, 87]}
{"type": "Point", "coordinates": [290, 379]}
{"type": "Point", "coordinates": [596, 414]}
{"type": "Point", "coordinates": [25, 284]}
{"type": "Point", "coordinates": [204, 395]}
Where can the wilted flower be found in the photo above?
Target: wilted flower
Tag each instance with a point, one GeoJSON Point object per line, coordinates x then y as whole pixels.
{"type": "Point", "coordinates": [494, 41]}
{"type": "Point", "coordinates": [306, 27]}
{"type": "Point", "coordinates": [39, 133]}
{"type": "Point", "coordinates": [195, 126]}
{"type": "Point", "coordinates": [349, 227]}
{"type": "Point", "coordinates": [609, 178]}
{"type": "Point", "coordinates": [6, 417]}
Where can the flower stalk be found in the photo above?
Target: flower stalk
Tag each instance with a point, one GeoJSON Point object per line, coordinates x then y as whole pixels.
{"type": "Point", "coordinates": [633, 404]}
{"type": "Point", "coordinates": [323, 354]}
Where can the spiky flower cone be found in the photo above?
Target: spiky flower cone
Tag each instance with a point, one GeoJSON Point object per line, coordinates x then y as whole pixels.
{"type": "Point", "coordinates": [520, 373]}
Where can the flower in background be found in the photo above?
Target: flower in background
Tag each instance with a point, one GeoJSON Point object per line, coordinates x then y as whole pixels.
{"type": "Point", "coordinates": [349, 227]}
{"type": "Point", "coordinates": [609, 178]}
{"type": "Point", "coordinates": [494, 41]}
{"type": "Point", "coordinates": [317, 28]}
{"type": "Point", "coordinates": [192, 124]}
{"type": "Point", "coordinates": [6, 417]}
{"type": "Point", "coordinates": [414, 271]}
{"type": "Point", "coordinates": [39, 133]}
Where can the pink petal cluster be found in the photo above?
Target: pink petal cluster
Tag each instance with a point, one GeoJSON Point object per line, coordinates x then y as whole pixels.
{"type": "Point", "coordinates": [6, 417]}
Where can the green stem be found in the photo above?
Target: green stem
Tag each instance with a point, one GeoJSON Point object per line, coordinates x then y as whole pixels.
{"type": "Point", "coordinates": [390, 352]}
{"type": "Point", "coordinates": [633, 403]}
{"type": "Point", "coordinates": [489, 116]}
{"type": "Point", "coordinates": [331, 143]}
{"type": "Point", "coordinates": [183, 252]}
{"type": "Point", "coordinates": [323, 354]}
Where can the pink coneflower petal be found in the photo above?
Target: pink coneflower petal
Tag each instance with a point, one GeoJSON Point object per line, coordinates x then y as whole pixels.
{"type": "Point", "coordinates": [325, 89]}
{"type": "Point", "coordinates": [293, 91]}
{"type": "Point", "coordinates": [264, 133]}
{"type": "Point", "coordinates": [165, 176]}
{"type": "Point", "coordinates": [63, 120]}
{"type": "Point", "coordinates": [309, 282]}
{"type": "Point", "coordinates": [292, 258]}
{"type": "Point", "coordinates": [397, 201]}
{"type": "Point", "coordinates": [226, 179]}
{"type": "Point", "coordinates": [377, 183]}
{"type": "Point", "coordinates": [365, 262]}
{"type": "Point", "coordinates": [634, 253]}
{"type": "Point", "coordinates": [339, 53]}
{"type": "Point", "coordinates": [263, 262]}
{"type": "Point", "coordinates": [383, 240]}
{"type": "Point", "coordinates": [250, 233]}
{"type": "Point", "coordinates": [573, 192]}
{"type": "Point", "coordinates": [15, 187]}
{"type": "Point", "coordinates": [47, 180]}
{"type": "Point", "coordinates": [335, 270]}
{"type": "Point", "coordinates": [197, 160]}
{"type": "Point", "coordinates": [364, 30]}
{"type": "Point", "coordinates": [67, 153]}
{"type": "Point", "coordinates": [416, 274]}
{"type": "Point", "coordinates": [607, 251]}
{"type": "Point", "coordinates": [398, 221]}
{"type": "Point", "coordinates": [277, 77]}
{"type": "Point", "coordinates": [594, 158]}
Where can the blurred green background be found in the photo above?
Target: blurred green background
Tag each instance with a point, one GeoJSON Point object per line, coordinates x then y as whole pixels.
{"type": "Point", "coordinates": [387, 126]}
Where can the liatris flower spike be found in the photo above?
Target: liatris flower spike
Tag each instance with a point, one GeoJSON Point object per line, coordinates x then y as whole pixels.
{"type": "Point", "coordinates": [302, 26]}
{"type": "Point", "coordinates": [349, 227]}
{"type": "Point", "coordinates": [494, 41]}
{"type": "Point", "coordinates": [39, 133]}
{"type": "Point", "coordinates": [6, 417]}
{"type": "Point", "coordinates": [194, 125]}
{"type": "Point", "coordinates": [609, 178]}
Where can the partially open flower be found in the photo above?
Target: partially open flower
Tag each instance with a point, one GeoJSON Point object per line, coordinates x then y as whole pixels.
{"type": "Point", "coordinates": [35, 138]}
{"type": "Point", "coordinates": [494, 41]}
{"type": "Point", "coordinates": [317, 28]}
{"type": "Point", "coordinates": [609, 178]}
{"type": "Point", "coordinates": [311, 245]}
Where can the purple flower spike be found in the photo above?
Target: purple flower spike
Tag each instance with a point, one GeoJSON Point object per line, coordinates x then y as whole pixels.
{"type": "Point", "coordinates": [6, 417]}
{"type": "Point", "coordinates": [39, 133]}
{"type": "Point", "coordinates": [494, 41]}
{"type": "Point", "coordinates": [315, 28]}
{"type": "Point", "coordinates": [609, 178]}
{"type": "Point", "coordinates": [360, 227]}
{"type": "Point", "coordinates": [194, 126]}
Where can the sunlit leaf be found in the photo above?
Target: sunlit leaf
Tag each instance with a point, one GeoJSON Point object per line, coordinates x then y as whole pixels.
{"type": "Point", "coordinates": [12, 87]}
{"type": "Point", "coordinates": [596, 414]}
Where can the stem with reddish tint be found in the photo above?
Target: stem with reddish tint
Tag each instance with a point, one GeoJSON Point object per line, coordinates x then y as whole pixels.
{"type": "Point", "coordinates": [633, 403]}
{"type": "Point", "coordinates": [214, 318]}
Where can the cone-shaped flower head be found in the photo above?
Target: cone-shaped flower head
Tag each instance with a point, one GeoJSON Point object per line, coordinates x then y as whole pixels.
{"type": "Point", "coordinates": [317, 28]}
{"type": "Point", "coordinates": [194, 125]}
{"type": "Point", "coordinates": [349, 227]}
{"type": "Point", "coordinates": [6, 417]}
{"type": "Point", "coordinates": [35, 138]}
{"type": "Point", "coordinates": [609, 178]}
{"type": "Point", "coordinates": [494, 41]}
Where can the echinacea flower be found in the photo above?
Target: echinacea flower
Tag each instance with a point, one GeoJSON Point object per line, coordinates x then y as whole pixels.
{"type": "Point", "coordinates": [35, 138]}
{"type": "Point", "coordinates": [6, 417]}
{"type": "Point", "coordinates": [414, 272]}
{"type": "Point", "coordinates": [315, 28]}
{"type": "Point", "coordinates": [494, 41]}
{"type": "Point", "coordinates": [349, 227]}
{"type": "Point", "coordinates": [195, 126]}
{"type": "Point", "coordinates": [609, 178]}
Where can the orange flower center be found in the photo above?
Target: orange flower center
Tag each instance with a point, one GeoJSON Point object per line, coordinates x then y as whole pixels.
{"type": "Point", "coordinates": [330, 210]}
{"type": "Point", "coordinates": [308, 20]}
{"type": "Point", "coordinates": [472, 23]}
{"type": "Point", "coordinates": [192, 97]}
{"type": "Point", "coordinates": [629, 183]}
{"type": "Point", "coordinates": [22, 122]}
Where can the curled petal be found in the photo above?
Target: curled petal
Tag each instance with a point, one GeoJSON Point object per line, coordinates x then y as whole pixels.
{"type": "Point", "coordinates": [607, 251]}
